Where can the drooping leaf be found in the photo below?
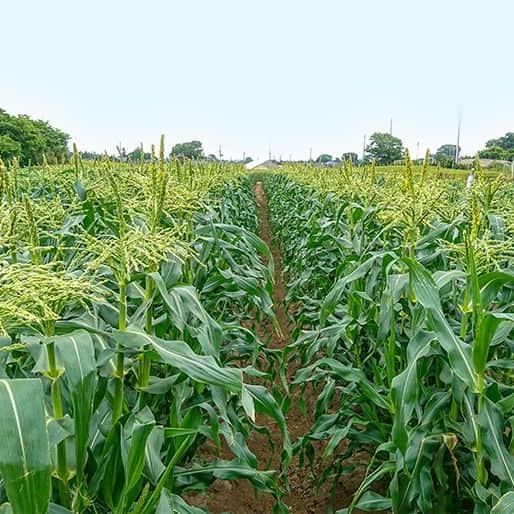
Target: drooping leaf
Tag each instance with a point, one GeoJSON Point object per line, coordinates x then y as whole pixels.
{"type": "Point", "coordinates": [179, 355]}
{"type": "Point", "coordinates": [25, 462]}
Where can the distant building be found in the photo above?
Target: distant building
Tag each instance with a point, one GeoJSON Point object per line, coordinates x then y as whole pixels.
{"type": "Point", "coordinates": [262, 165]}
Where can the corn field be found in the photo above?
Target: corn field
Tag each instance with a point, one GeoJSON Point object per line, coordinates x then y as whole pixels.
{"type": "Point", "coordinates": [135, 371]}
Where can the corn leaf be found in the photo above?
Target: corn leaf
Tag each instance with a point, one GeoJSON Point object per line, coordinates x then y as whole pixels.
{"type": "Point", "coordinates": [179, 355]}
{"type": "Point", "coordinates": [25, 462]}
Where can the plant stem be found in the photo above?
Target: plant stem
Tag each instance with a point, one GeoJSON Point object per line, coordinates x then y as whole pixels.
{"type": "Point", "coordinates": [58, 411]}
{"type": "Point", "coordinates": [117, 408]}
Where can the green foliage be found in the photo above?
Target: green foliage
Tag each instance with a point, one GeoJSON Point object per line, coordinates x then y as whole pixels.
{"type": "Point", "coordinates": [139, 154]}
{"type": "Point", "coordinates": [123, 292]}
{"type": "Point", "coordinates": [351, 157]}
{"type": "Point", "coordinates": [446, 154]}
{"type": "Point", "coordinates": [384, 148]}
{"type": "Point", "coordinates": [323, 158]}
{"type": "Point", "coordinates": [29, 140]}
{"type": "Point", "coordinates": [402, 288]}
{"type": "Point", "coordinates": [189, 150]}
{"type": "Point", "coordinates": [501, 148]}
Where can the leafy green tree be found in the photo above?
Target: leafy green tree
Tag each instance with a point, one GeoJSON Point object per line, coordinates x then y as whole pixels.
{"type": "Point", "coordinates": [9, 148]}
{"type": "Point", "coordinates": [323, 158]}
{"type": "Point", "coordinates": [188, 150]}
{"type": "Point", "coordinates": [29, 140]}
{"type": "Point", "coordinates": [501, 148]}
{"type": "Point", "coordinates": [138, 154]}
{"type": "Point", "coordinates": [445, 155]}
{"type": "Point", "coordinates": [384, 148]}
{"type": "Point", "coordinates": [496, 152]}
{"type": "Point", "coordinates": [350, 156]}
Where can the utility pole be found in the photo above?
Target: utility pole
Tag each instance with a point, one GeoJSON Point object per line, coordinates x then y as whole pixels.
{"type": "Point", "coordinates": [244, 157]}
{"type": "Point", "coordinates": [364, 148]}
{"type": "Point", "coordinates": [310, 154]}
{"type": "Point", "coordinates": [457, 151]}
{"type": "Point", "coordinates": [219, 152]}
{"type": "Point", "coordinates": [290, 158]}
{"type": "Point", "coordinates": [269, 154]}
{"type": "Point", "coordinates": [391, 127]}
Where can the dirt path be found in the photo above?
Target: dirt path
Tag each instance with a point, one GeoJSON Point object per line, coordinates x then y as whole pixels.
{"type": "Point", "coordinates": [303, 497]}
{"type": "Point", "coordinates": [239, 497]}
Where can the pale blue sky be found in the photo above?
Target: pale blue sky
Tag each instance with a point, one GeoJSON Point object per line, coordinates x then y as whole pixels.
{"type": "Point", "coordinates": [246, 74]}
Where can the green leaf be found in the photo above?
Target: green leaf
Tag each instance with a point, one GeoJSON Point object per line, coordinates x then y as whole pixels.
{"type": "Point", "coordinates": [153, 463]}
{"type": "Point", "coordinates": [58, 509]}
{"type": "Point", "coordinates": [373, 502]}
{"type": "Point", "coordinates": [491, 422]}
{"type": "Point", "coordinates": [505, 504]}
{"type": "Point", "coordinates": [266, 404]}
{"type": "Point", "coordinates": [485, 334]}
{"type": "Point", "coordinates": [459, 353]}
{"type": "Point", "coordinates": [183, 303]}
{"type": "Point", "coordinates": [492, 283]}
{"type": "Point", "coordinates": [173, 504]}
{"type": "Point", "coordinates": [135, 434]}
{"type": "Point", "coordinates": [334, 296]}
{"type": "Point", "coordinates": [25, 462]}
{"type": "Point", "coordinates": [76, 354]}
{"type": "Point", "coordinates": [350, 374]}
{"type": "Point", "coordinates": [404, 388]}
{"type": "Point", "coordinates": [179, 355]}
{"type": "Point", "coordinates": [233, 470]}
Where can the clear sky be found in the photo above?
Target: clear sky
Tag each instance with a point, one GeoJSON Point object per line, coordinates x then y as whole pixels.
{"type": "Point", "coordinates": [244, 74]}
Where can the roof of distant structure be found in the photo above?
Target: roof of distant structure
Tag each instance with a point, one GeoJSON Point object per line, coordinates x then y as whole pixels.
{"type": "Point", "coordinates": [267, 164]}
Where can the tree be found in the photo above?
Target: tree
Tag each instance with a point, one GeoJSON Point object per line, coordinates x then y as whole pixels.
{"type": "Point", "coordinates": [445, 155]}
{"type": "Point", "coordinates": [350, 156]}
{"type": "Point", "coordinates": [501, 148]}
{"type": "Point", "coordinates": [384, 148]}
{"type": "Point", "coordinates": [323, 158]}
{"type": "Point", "coordinates": [188, 150]}
{"type": "Point", "coordinates": [29, 140]}
{"type": "Point", "coordinates": [138, 153]}
{"type": "Point", "coordinates": [496, 152]}
{"type": "Point", "coordinates": [506, 142]}
{"type": "Point", "coordinates": [9, 148]}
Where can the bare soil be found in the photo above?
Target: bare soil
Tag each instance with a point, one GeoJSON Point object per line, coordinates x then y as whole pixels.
{"type": "Point", "coordinates": [303, 498]}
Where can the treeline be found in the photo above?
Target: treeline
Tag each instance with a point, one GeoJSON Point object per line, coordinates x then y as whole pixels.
{"type": "Point", "coordinates": [501, 148]}
{"type": "Point", "coordinates": [30, 141]}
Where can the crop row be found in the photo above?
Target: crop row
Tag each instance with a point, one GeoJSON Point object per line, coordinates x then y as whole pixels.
{"type": "Point", "coordinates": [124, 289]}
{"type": "Point", "coordinates": [401, 284]}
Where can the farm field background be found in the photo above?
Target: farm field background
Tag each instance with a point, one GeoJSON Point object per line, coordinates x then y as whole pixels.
{"type": "Point", "coordinates": [180, 336]}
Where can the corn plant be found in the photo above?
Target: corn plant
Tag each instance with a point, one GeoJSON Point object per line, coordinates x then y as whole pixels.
{"type": "Point", "coordinates": [121, 351]}
{"type": "Point", "coordinates": [401, 287]}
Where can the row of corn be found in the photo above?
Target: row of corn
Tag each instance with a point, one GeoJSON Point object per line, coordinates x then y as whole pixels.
{"type": "Point", "coordinates": [401, 286]}
{"type": "Point", "coordinates": [124, 294]}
